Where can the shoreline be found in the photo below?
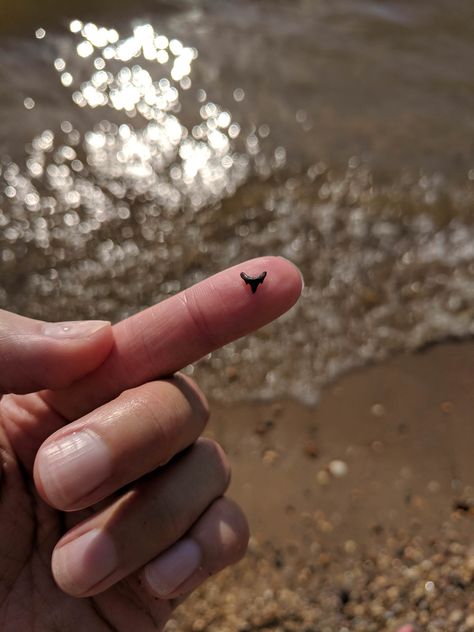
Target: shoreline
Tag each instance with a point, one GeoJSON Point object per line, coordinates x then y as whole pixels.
{"type": "Point", "coordinates": [361, 509]}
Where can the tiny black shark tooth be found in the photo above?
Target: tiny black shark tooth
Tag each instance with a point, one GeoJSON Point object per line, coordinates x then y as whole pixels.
{"type": "Point", "coordinates": [253, 281]}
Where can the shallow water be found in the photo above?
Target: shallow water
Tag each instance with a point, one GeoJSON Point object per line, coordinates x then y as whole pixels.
{"type": "Point", "coordinates": [145, 148]}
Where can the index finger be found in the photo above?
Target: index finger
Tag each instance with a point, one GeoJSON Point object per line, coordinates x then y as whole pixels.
{"type": "Point", "coordinates": [182, 329]}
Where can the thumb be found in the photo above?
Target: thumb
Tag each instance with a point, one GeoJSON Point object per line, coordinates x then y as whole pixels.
{"type": "Point", "coordinates": [35, 355]}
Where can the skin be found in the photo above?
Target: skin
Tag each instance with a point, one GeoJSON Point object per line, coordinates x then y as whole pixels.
{"type": "Point", "coordinates": [157, 492]}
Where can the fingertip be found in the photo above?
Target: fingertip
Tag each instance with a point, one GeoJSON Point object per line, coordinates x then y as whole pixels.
{"type": "Point", "coordinates": [218, 539]}
{"type": "Point", "coordinates": [293, 276]}
{"type": "Point", "coordinates": [282, 274]}
{"type": "Point", "coordinates": [39, 355]}
{"type": "Point", "coordinates": [294, 269]}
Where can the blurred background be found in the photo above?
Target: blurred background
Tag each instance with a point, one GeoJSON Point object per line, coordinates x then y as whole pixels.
{"type": "Point", "coordinates": [147, 145]}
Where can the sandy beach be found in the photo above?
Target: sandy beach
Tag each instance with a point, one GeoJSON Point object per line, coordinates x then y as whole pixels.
{"type": "Point", "coordinates": [361, 509]}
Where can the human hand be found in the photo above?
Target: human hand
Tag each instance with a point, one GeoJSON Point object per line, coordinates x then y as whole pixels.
{"type": "Point", "coordinates": [102, 465]}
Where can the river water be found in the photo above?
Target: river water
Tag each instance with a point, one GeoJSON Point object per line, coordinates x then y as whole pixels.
{"type": "Point", "coordinates": [144, 147]}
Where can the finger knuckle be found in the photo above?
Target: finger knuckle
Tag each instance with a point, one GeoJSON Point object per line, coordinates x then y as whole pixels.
{"type": "Point", "coordinates": [216, 458]}
{"type": "Point", "coordinates": [145, 404]}
{"type": "Point", "coordinates": [195, 397]}
{"type": "Point", "coordinates": [198, 318]}
{"type": "Point", "coordinates": [173, 520]}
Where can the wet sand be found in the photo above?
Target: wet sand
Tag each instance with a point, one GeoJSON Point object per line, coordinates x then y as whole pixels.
{"type": "Point", "coordinates": [361, 510]}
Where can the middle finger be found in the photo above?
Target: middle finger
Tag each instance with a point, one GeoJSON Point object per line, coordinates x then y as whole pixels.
{"type": "Point", "coordinates": [119, 442]}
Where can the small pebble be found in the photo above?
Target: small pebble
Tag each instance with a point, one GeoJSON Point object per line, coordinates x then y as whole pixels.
{"type": "Point", "coordinates": [325, 526]}
{"type": "Point", "coordinates": [377, 446]}
{"type": "Point", "coordinates": [231, 373]}
{"type": "Point", "coordinates": [378, 410]}
{"type": "Point", "coordinates": [311, 449]}
{"type": "Point", "coordinates": [270, 457]}
{"type": "Point", "coordinates": [338, 468]}
{"type": "Point", "coordinates": [434, 487]}
{"type": "Point", "coordinates": [323, 478]}
{"type": "Point", "coordinates": [447, 407]}
{"type": "Point", "coordinates": [418, 502]}
{"type": "Point", "coordinates": [264, 426]}
{"type": "Point", "coordinates": [456, 616]}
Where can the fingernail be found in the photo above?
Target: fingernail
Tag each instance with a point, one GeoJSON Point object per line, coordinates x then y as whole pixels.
{"type": "Point", "coordinates": [74, 328]}
{"type": "Point", "coordinates": [72, 466]}
{"type": "Point", "coordinates": [173, 567]}
{"type": "Point", "coordinates": [84, 562]}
